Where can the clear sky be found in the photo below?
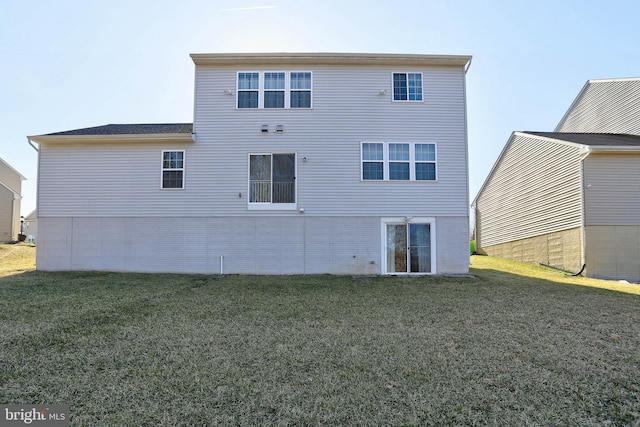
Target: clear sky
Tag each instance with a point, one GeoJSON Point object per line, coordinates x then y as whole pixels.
{"type": "Point", "coordinates": [69, 64]}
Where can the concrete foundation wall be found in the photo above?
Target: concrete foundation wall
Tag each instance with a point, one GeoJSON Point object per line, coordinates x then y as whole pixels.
{"type": "Point", "coordinates": [561, 249]}
{"type": "Point", "coordinates": [613, 252]}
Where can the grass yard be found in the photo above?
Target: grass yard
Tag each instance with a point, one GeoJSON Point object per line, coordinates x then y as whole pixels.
{"type": "Point", "coordinates": [515, 346]}
{"type": "Point", "coordinates": [17, 258]}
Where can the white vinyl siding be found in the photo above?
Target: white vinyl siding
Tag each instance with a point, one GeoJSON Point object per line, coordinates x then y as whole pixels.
{"type": "Point", "coordinates": [346, 100]}
{"type": "Point", "coordinates": [10, 178]}
{"type": "Point", "coordinates": [605, 106]}
{"type": "Point", "coordinates": [6, 214]}
{"type": "Point", "coordinates": [534, 189]}
{"type": "Point", "coordinates": [612, 193]}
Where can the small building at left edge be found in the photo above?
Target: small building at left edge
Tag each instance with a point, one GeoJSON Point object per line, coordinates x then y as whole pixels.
{"type": "Point", "coordinates": [10, 197]}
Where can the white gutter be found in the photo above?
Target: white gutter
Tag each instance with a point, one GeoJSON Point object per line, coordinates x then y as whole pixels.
{"type": "Point", "coordinates": [32, 145]}
{"type": "Point", "coordinates": [117, 138]}
{"type": "Point", "coordinates": [614, 149]}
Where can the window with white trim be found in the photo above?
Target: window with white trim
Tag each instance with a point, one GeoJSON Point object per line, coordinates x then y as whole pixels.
{"type": "Point", "coordinates": [398, 161]}
{"type": "Point", "coordinates": [274, 89]}
{"type": "Point", "coordinates": [172, 169]}
{"type": "Point", "coordinates": [272, 180]}
{"type": "Point", "coordinates": [248, 86]}
{"type": "Point", "coordinates": [407, 86]}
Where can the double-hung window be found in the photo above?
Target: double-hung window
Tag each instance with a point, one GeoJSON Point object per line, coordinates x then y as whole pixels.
{"type": "Point", "coordinates": [300, 85]}
{"type": "Point", "coordinates": [172, 169]}
{"type": "Point", "coordinates": [248, 89]}
{"type": "Point", "coordinates": [272, 180]}
{"type": "Point", "coordinates": [398, 161]}
{"type": "Point", "coordinates": [407, 86]}
{"type": "Point", "coordinates": [274, 89]}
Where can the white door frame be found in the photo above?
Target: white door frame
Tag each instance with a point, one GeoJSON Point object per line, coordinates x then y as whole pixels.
{"type": "Point", "coordinates": [408, 220]}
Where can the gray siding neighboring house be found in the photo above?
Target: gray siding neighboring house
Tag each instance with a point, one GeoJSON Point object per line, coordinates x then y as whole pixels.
{"type": "Point", "coordinates": [605, 106]}
{"type": "Point", "coordinates": [572, 197]}
{"type": "Point", "coordinates": [295, 164]}
{"type": "Point", "coordinates": [31, 226]}
{"type": "Point", "coordinates": [10, 198]}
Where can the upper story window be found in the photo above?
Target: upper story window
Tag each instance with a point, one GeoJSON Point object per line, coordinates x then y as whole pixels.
{"type": "Point", "coordinates": [398, 161]}
{"type": "Point", "coordinates": [172, 169]}
{"type": "Point", "coordinates": [248, 90]}
{"type": "Point", "coordinates": [407, 86]}
{"type": "Point", "coordinates": [274, 89]}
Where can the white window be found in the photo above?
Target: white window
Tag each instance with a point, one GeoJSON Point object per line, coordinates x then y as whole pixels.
{"type": "Point", "coordinates": [274, 89]}
{"type": "Point", "coordinates": [172, 169]}
{"type": "Point", "coordinates": [407, 86]}
{"type": "Point", "coordinates": [272, 181]}
{"type": "Point", "coordinates": [248, 86]}
{"type": "Point", "coordinates": [398, 161]}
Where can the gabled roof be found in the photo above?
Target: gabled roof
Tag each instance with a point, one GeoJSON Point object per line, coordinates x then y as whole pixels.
{"type": "Point", "coordinates": [113, 133]}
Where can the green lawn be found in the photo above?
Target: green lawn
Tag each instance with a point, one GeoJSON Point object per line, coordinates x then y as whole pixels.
{"type": "Point", "coordinates": [503, 348]}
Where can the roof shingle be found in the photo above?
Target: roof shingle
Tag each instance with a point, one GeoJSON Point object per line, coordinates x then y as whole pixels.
{"type": "Point", "coordinates": [594, 139]}
{"type": "Point", "coordinates": [130, 129]}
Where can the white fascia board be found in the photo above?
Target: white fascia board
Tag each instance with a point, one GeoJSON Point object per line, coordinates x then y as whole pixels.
{"type": "Point", "coordinates": [555, 140]}
{"type": "Point", "coordinates": [614, 149]}
{"type": "Point", "coordinates": [113, 139]}
{"type": "Point", "coordinates": [236, 59]}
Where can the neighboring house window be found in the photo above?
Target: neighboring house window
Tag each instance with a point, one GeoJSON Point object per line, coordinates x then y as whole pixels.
{"type": "Point", "coordinates": [272, 179]}
{"type": "Point", "coordinates": [394, 161]}
{"type": "Point", "coordinates": [281, 89]}
{"type": "Point", "coordinates": [407, 86]}
{"type": "Point", "coordinates": [173, 169]}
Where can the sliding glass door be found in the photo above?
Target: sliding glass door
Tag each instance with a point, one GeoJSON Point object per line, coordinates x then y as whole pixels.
{"type": "Point", "coordinates": [408, 247]}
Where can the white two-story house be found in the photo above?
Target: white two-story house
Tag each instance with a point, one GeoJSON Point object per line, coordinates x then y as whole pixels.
{"type": "Point", "coordinates": [302, 163]}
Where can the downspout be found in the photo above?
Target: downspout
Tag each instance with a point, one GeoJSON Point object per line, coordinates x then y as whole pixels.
{"type": "Point", "coordinates": [31, 144]}
{"type": "Point", "coordinates": [466, 68]}
{"type": "Point", "coordinates": [584, 153]}
{"type": "Point", "coordinates": [37, 148]}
